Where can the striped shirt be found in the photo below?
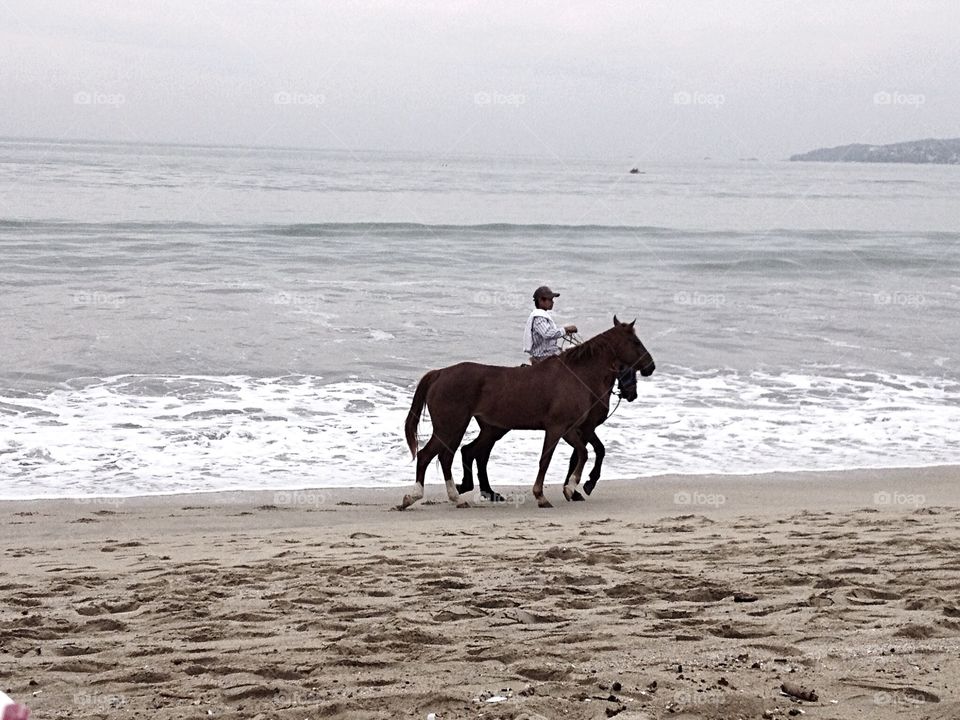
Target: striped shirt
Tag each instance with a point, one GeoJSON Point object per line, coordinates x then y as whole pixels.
{"type": "Point", "coordinates": [545, 336]}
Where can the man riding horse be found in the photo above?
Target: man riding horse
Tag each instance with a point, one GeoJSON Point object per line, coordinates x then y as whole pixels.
{"type": "Point", "coordinates": [558, 395]}
{"type": "Point", "coordinates": [541, 333]}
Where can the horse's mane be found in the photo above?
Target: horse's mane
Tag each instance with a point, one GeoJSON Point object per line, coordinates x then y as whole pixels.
{"type": "Point", "coordinates": [586, 350]}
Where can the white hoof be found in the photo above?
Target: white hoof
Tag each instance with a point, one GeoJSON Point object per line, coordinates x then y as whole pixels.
{"type": "Point", "coordinates": [571, 487]}
{"type": "Point", "coordinates": [416, 493]}
{"type": "Point", "coordinates": [452, 492]}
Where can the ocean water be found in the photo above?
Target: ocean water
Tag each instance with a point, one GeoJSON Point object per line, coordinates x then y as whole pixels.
{"type": "Point", "coordinates": [176, 319]}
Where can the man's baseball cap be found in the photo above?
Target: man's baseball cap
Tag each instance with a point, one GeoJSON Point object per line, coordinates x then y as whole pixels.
{"type": "Point", "coordinates": [544, 292]}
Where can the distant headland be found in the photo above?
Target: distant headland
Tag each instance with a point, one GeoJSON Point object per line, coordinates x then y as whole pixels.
{"type": "Point", "coordinates": [941, 152]}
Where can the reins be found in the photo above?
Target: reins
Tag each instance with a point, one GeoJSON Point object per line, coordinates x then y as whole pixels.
{"type": "Point", "coordinates": [575, 340]}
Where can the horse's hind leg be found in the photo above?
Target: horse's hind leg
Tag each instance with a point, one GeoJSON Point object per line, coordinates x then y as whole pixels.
{"type": "Point", "coordinates": [479, 451]}
{"type": "Point", "coordinates": [467, 456]}
{"type": "Point", "coordinates": [570, 490]}
{"type": "Point", "coordinates": [599, 451]}
{"type": "Point", "coordinates": [447, 451]}
{"type": "Point", "coordinates": [424, 457]}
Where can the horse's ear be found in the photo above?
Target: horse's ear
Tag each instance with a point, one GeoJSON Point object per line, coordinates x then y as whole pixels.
{"type": "Point", "coordinates": [615, 321]}
{"type": "Point", "coordinates": [633, 323]}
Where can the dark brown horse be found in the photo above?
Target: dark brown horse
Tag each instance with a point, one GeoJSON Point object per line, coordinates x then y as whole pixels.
{"type": "Point", "coordinates": [480, 448]}
{"type": "Point", "coordinates": [559, 396]}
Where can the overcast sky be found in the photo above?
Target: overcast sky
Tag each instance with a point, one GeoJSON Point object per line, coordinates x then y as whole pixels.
{"type": "Point", "coordinates": [663, 79]}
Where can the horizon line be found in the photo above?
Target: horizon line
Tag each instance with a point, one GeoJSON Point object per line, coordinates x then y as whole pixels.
{"type": "Point", "coordinates": [235, 146]}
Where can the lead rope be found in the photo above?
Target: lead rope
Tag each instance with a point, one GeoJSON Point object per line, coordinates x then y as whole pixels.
{"type": "Point", "coordinates": [619, 398]}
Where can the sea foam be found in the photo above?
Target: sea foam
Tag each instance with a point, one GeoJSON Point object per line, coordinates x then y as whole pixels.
{"type": "Point", "coordinates": [133, 435]}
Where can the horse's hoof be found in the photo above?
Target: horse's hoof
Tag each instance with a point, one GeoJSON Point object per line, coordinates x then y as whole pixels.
{"type": "Point", "coordinates": [577, 497]}
{"type": "Point", "coordinates": [463, 504]}
{"type": "Point", "coordinates": [544, 503]}
{"type": "Point", "coordinates": [492, 496]}
{"type": "Point", "coordinates": [407, 502]}
{"type": "Point", "coordinates": [464, 488]}
{"type": "Point", "coordinates": [588, 487]}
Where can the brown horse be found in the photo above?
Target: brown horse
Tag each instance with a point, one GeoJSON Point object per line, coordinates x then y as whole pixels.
{"type": "Point", "coordinates": [480, 448]}
{"type": "Point", "coordinates": [559, 396]}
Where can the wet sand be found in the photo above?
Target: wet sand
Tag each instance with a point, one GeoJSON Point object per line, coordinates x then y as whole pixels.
{"type": "Point", "coordinates": [676, 597]}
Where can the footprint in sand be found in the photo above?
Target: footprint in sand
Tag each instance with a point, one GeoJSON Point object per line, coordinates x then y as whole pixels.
{"type": "Point", "coordinates": [107, 608]}
{"type": "Point", "coordinates": [145, 677]}
{"type": "Point", "coordinates": [544, 672]}
{"type": "Point", "coordinates": [455, 613]}
{"type": "Point", "coordinates": [870, 596]}
{"type": "Point", "coordinates": [917, 632]}
{"type": "Point", "coordinates": [104, 625]}
{"type": "Point", "coordinates": [740, 631]}
{"type": "Point", "coordinates": [82, 666]}
{"type": "Point", "coordinates": [71, 650]}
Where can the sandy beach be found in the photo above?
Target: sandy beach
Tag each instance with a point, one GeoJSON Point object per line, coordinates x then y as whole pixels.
{"type": "Point", "coordinates": [675, 597]}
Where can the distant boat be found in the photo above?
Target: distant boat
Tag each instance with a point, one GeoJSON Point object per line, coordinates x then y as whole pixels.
{"type": "Point", "coordinates": [635, 171]}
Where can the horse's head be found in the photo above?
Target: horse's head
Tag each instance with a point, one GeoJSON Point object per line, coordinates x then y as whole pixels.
{"type": "Point", "coordinates": [627, 382]}
{"type": "Point", "coordinates": [630, 351]}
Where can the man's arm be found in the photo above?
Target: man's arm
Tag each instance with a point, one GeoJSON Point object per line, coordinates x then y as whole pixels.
{"type": "Point", "coordinates": [545, 328]}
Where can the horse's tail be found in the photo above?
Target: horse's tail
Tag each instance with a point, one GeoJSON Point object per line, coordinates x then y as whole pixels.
{"type": "Point", "coordinates": [413, 415]}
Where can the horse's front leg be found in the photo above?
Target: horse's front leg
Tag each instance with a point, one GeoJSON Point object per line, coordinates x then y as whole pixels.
{"type": "Point", "coordinates": [570, 490]}
{"type": "Point", "coordinates": [550, 441]}
{"type": "Point", "coordinates": [574, 457]}
{"type": "Point", "coordinates": [599, 452]}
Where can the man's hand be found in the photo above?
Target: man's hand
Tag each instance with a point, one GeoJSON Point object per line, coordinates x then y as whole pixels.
{"type": "Point", "coordinates": [569, 329]}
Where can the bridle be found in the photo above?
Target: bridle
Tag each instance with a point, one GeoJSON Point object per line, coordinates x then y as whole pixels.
{"type": "Point", "coordinates": [617, 389]}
